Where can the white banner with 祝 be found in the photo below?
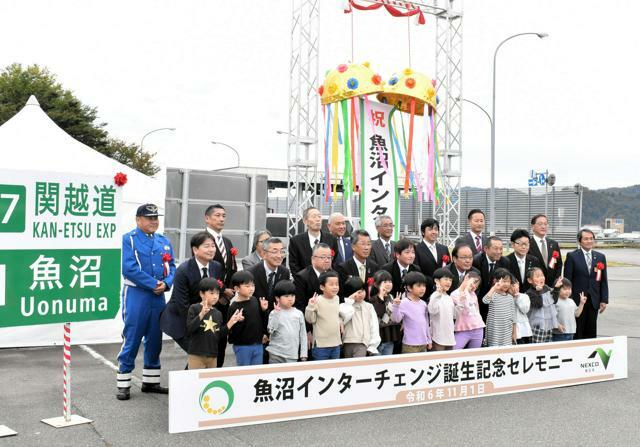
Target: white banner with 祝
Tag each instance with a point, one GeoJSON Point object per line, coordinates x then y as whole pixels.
{"type": "Point", "coordinates": [227, 397]}
{"type": "Point", "coordinates": [379, 194]}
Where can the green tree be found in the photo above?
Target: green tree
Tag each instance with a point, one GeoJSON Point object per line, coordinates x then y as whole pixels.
{"type": "Point", "coordinates": [77, 119]}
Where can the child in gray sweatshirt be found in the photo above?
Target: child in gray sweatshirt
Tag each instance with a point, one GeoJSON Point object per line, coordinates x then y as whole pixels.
{"type": "Point", "coordinates": [286, 327]}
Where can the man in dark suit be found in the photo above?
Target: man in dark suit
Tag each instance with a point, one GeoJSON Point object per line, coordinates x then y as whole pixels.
{"type": "Point", "coordinates": [403, 263]}
{"type": "Point", "coordinates": [475, 237]}
{"type": "Point", "coordinates": [359, 265]}
{"type": "Point", "coordinates": [173, 320]}
{"type": "Point", "coordinates": [214, 217]}
{"type": "Point", "coordinates": [337, 226]}
{"type": "Point", "coordinates": [461, 265]}
{"type": "Point", "coordinates": [430, 255]}
{"type": "Point", "coordinates": [487, 262]}
{"type": "Point", "coordinates": [520, 262]}
{"type": "Point", "coordinates": [306, 281]}
{"type": "Point", "coordinates": [545, 249]}
{"type": "Point", "coordinates": [270, 270]}
{"type": "Point", "coordinates": [587, 271]}
{"type": "Point", "coordinates": [382, 248]}
{"type": "Point", "coordinates": [301, 245]}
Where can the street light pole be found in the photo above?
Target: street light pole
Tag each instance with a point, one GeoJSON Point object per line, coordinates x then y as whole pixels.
{"type": "Point", "coordinates": [492, 196]}
{"type": "Point", "coordinates": [152, 131]}
{"type": "Point", "coordinates": [236, 152]}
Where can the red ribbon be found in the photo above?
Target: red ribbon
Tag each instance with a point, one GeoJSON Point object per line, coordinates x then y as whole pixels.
{"type": "Point", "coordinates": [390, 9]}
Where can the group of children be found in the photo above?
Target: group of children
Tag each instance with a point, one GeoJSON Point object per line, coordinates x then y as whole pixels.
{"type": "Point", "coordinates": [358, 327]}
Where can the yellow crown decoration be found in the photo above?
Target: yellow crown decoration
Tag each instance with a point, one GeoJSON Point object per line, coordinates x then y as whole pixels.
{"type": "Point", "coordinates": [399, 91]}
{"type": "Point", "coordinates": [348, 81]}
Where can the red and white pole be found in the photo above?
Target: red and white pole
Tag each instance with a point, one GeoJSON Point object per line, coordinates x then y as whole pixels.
{"type": "Point", "coordinates": [66, 374]}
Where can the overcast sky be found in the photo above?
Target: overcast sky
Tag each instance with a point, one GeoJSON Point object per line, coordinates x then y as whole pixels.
{"type": "Point", "coordinates": [220, 71]}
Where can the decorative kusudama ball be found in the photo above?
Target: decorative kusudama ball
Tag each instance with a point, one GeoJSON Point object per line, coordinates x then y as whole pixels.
{"type": "Point", "coordinates": [406, 86]}
{"type": "Point", "coordinates": [348, 81]}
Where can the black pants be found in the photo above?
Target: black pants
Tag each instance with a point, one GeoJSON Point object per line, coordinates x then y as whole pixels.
{"type": "Point", "coordinates": [586, 323]}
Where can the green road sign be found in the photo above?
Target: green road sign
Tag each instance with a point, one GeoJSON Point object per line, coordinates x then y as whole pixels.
{"type": "Point", "coordinates": [60, 248]}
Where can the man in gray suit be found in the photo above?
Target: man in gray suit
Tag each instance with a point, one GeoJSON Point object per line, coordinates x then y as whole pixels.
{"type": "Point", "coordinates": [382, 248]}
{"type": "Point", "coordinates": [257, 254]}
{"type": "Point", "coordinates": [475, 237]}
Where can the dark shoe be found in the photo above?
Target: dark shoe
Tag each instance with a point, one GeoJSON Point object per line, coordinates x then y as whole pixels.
{"type": "Point", "coordinates": [154, 388]}
{"type": "Point", "coordinates": [123, 394]}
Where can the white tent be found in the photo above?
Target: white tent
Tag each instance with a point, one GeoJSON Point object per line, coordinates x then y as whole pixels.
{"type": "Point", "coordinates": [30, 140]}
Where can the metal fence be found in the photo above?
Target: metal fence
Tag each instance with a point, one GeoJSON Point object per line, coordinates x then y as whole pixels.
{"type": "Point", "coordinates": [190, 192]}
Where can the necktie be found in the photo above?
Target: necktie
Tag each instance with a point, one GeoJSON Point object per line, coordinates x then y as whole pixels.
{"type": "Point", "coordinates": [270, 281]}
{"type": "Point", "coordinates": [404, 272]}
{"type": "Point", "coordinates": [223, 250]}
{"type": "Point", "coordinates": [362, 271]}
{"type": "Point", "coordinates": [434, 252]}
{"type": "Point", "coordinates": [205, 272]}
{"type": "Point", "coordinates": [543, 250]}
{"type": "Point", "coordinates": [387, 248]}
{"type": "Point", "coordinates": [587, 257]}
{"type": "Point", "coordinates": [492, 265]}
{"type": "Point", "coordinates": [521, 268]}
{"type": "Point", "coordinates": [316, 242]}
{"type": "Point", "coordinates": [461, 277]}
{"type": "Point", "coordinates": [341, 248]}
{"type": "Point", "coordinates": [478, 244]}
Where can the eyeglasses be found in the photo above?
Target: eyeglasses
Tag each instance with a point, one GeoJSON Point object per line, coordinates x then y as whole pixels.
{"type": "Point", "coordinates": [465, 258]}
{"type": "Point", "coordinates": [324, 258]}
{"type": "Point", "coordinates": [262, 241]}
{"type": "Point", "coordinates": [389, 225]}
{"type": "Point", "coordinates": [523, 243]}
{"type": "Point", "coordinates": [278, 252]}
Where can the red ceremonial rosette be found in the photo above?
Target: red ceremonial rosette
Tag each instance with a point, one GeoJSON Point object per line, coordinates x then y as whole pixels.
{"type": "Point", "coordinates": [555, 254]}
{"type": "Point", "coordinates": [445, 259]}
{"type": "Point", "coordinates": [600, 266]}
{"type": "Point", "coordinates": [120, 179]}
{"type": "Point", "coordinates": [166, 259]}
{"type": "Point", "coordinates": [333, 253]}
{"type": "Point", "coordinates": [233, 251]}
{"type": "Point", "coordinates": [220, 283]}
{"type": "Point", "coordinates": [370, 282]}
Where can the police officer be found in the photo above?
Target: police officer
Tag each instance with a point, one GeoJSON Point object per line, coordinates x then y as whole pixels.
{"type": "Point", "coordinates": [148, 269]}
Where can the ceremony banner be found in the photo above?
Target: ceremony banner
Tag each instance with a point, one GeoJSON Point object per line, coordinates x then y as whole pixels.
{"type": "Point", "coordinates": [227, 397]}
{"type": "Point", "coordinates": [379, 194]}
{"type": "Point", "coordinates": [59, 248]}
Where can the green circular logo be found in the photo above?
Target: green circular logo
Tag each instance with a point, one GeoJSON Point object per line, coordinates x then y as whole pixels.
{"type": "Point", "coordinates": [210, 397]}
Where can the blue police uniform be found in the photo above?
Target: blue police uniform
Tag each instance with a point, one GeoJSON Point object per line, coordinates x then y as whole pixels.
{"type": "Point", "coordinates": [142, 268]}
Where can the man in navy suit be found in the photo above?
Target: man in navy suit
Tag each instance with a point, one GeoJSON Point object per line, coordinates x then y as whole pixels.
{"type": "Point", "coordinates": [337, 226]}
{"type": "Point", "coordinates": [405, 255]}
{"type": "Point", "coordinates": [173, 320]}
{"type": "Point", "coordinates": [475, 237]}
{"type": "Point", "coordinates": [520, 262]}
{"type": "Point", "coordinates": [359, 265]}
{"type": "Point", "coordinates": [587, 271]}
{"type": "Point", "coordinates": [545, 249]}
{"type": "Point", "coordinates": [430, 255]}
{"type": "Point", "coordinates": [487, 262]}
{"type": "Point", "coordinates": [214, 217]}
{"type": "Point", "coordinates": [461, 265]}
{"type": "Point", "coordinates": [301, 245]}
{"type": "Point", "coordinates": [270, 270]}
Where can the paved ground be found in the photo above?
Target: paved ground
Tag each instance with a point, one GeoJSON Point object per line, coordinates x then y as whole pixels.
{"type": "Point", "coordinates": [587, 415]}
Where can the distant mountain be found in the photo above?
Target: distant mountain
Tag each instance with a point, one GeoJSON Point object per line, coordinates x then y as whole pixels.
{"type": "Point", "coordinates": [624, 203]}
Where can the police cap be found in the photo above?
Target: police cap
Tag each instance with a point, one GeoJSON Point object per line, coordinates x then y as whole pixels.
{"type": "Point", "coordinates": [147, 210]}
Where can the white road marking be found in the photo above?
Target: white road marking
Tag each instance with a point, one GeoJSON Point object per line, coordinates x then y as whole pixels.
{"type": "Point", "coordinates": [108, 363]}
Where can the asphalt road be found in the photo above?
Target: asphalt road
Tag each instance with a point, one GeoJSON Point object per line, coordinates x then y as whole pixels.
{"type": "Point", "coordinates": [586, 415]}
